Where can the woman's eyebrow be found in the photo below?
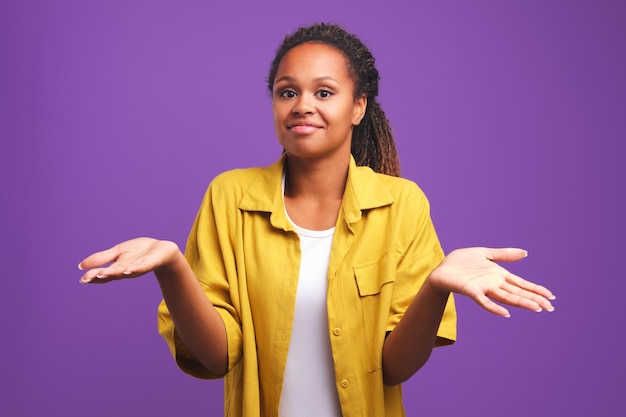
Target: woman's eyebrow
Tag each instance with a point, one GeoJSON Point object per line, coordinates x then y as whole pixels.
{"type": "Point", "coordinates": [284, 78]}
{"type": "Point", "coordinates": [322, 78]}
{"type": "Point", "coordinates": [327, 78]}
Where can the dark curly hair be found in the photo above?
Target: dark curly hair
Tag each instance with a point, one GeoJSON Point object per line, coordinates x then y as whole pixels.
{"type": "Point", "coordinates": [372, 140]}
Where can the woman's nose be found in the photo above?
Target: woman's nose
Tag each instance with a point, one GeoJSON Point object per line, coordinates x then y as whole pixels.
{"type": "Point", "coordinates": [303, 105]}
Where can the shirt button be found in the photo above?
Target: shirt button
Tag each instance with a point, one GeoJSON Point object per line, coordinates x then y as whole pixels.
{"type": "Point", "coordinates": [344, 383]}
{"type": "Point", "coordinates": [336, 331]}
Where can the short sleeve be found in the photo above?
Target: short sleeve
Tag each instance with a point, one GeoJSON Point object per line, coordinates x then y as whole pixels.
{"type": "Point", "coordinates": [211, 255]}
{"type": "Point", "coordinates": [418, 252]}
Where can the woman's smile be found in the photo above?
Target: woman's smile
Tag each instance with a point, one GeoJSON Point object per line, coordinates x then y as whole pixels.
{"type": "Point", "coordinates": [303, 127]}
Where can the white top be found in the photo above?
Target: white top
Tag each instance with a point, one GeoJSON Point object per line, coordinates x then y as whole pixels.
{"type": "Point", "coordinates": [309, 387]}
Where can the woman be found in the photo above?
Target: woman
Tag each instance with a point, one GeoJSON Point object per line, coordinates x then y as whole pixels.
{"type": "Point", "coordinates": [317, 285]}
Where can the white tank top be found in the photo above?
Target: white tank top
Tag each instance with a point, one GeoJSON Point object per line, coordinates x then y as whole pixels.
{"type": "Point", "coordinates": [309, 387]}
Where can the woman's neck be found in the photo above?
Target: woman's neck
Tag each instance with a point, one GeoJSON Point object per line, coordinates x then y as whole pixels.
{"type": "Point", "coordinates": [313, 192]}
{"type": "Point", "coordinates": [316, 179]}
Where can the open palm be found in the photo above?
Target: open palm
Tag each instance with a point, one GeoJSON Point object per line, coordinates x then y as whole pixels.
{"type": "Point", "coordinates": [128, 259]}
{"type": "Point", "coordinates": [474, 272]}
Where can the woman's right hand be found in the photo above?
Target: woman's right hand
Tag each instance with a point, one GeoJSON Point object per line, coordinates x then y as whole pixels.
{"type": "Point", "coordinates": [128, 259]}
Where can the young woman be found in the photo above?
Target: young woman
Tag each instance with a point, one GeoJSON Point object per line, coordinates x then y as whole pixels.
{"type": "Point", "coordinates": [317, 285]}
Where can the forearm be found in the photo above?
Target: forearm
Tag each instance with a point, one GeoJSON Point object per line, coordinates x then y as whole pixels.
{"type": "Point", "coordinates": [409, 345]}
{"type": "Point", "coordinates": [197, 322]}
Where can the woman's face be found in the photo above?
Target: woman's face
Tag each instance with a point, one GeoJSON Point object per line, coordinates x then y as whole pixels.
{"type": "Point", "coordinates": [313, 103]}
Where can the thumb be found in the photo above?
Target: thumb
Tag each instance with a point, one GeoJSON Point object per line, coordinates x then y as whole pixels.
{"type": "Point", "coordinates": [100, 258]}
{"type": "Point", "coordinates": [505, 254]}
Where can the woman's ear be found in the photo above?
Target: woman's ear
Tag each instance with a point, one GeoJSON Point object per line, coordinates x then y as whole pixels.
{"type": "Point", "coordinates": [360, 104]}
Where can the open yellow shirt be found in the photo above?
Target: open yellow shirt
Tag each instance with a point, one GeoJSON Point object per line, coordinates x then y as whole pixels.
{"type": "Point", "coordinates": [246, 255]}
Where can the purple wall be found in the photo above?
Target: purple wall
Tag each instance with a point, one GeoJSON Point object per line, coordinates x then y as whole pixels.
{"type": "Point", "coordinates": [115, 115]}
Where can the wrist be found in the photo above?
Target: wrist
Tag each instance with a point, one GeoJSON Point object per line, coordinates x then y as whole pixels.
{"type": "Point", "coordinates": [173, 261]}
{"type": "Point", "coordinates": [432, 284]}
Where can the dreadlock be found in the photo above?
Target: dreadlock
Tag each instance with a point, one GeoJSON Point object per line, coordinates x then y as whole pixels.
{"type": "Point", "coordinates": [372, 141]}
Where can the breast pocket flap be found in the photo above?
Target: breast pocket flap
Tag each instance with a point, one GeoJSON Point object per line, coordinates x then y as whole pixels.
{"type": "Point", "coordinates": [371, 276]}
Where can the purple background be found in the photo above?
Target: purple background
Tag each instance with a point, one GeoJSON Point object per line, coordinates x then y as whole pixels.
{"type": "Point", "coordinates": [115, 115]}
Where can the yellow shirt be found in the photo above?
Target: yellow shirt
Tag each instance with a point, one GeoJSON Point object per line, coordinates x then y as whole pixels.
{"type": "Point", "coordinates": [246, 255]}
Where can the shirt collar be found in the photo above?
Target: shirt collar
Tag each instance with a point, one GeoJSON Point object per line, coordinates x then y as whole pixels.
{"type": "Point", "coordinates": [364, 191]}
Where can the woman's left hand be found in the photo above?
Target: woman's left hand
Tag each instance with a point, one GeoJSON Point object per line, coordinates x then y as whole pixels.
{"type": "Point", "coordinates": [474, 272]}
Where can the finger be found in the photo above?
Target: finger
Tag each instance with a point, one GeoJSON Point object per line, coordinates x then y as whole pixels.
{"type": "Point", "coordinates": [505, 254]}
{"type": "Point", "coordinates": [100, 258]}
{"type": "Point", "coordinates": [523, 293]}
{"type": "Point", "coordinates": [541, 301]}
{"type": "Point", "coordinates": [490, 306]}
{"type": "Point", "coordinates": [530, 286]}
{"type": "Point", "coordinates": [87, 277]}
{"type": "Point", "coordinates": [90, 276]}
{"type": "Point", "coordinates": [517, 297]}
{"type": "Point", "coordinates": [112, 272]}
{"type": "Point", "coordinates": [503, 296]}
{"type": "Point", "coordinates": [100, 281]}
{"type": "Point", "coordinates": [103, 280]}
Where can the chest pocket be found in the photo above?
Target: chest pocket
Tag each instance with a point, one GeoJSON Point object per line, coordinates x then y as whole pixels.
{"type": "Point", "coordinates": [374, 281]}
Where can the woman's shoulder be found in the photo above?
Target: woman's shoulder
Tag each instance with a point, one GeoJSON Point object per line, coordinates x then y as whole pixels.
{"type": "Point", "coordinates": [237, 176]}
{"type": "Point", "coordinates": [258, 183]}
{"type": "Point", "coordinates": [398, 187]}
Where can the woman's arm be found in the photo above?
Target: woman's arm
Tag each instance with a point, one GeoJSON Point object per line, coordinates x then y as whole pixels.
{"type": "Point", "coordinates": [471, 272]}
{"type": "Point", "coordinates": [408, 346]}
{"type": "Point", "coordinates": [197, 323]}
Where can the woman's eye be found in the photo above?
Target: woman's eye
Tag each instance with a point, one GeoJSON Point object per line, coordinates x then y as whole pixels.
{"type": "Point", "coordinates": [288, 94]}
{"type": "Point", "coordinates": [324, 93]}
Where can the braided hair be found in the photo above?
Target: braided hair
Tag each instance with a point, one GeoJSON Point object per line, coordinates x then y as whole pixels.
{"type": "Point", "coordinates": [372, 141]}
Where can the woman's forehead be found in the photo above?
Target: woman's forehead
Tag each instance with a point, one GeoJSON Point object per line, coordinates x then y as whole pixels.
{"type": "Point", "coordinates": [313, 59]}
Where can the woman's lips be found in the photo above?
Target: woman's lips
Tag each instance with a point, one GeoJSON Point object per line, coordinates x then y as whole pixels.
{"type": "Point", "coordinates": [303, 128]}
